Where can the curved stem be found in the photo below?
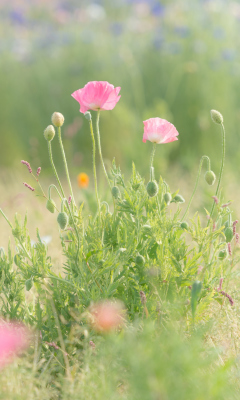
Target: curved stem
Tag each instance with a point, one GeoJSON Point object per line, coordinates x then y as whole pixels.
{"type": "Point", "coordinates": [65, 164]}
{"type": "Point", "coordinates": [100, 150]}
{"type": "Point", "coordinates": [54, 168]}
{"type": "Point", "coordinates": [151, 162]}
{"type": "Point", "coordinates": [94, 166]}
{"type": "Point", "coordinates": [196, 184]}
{"type": "Point", "coordinates": [221, 170]}
{"type": "Point", "coordinates": [49, 191]}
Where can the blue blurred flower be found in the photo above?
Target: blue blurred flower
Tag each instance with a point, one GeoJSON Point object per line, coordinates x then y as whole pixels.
{"type": "Point", "coordinates": [157, 8]}
{"type": "Point", "coordinates": [17, 17]}
{"type": "Point", "coordinates": [116, 28]}
{"type": "Point", "coordinates": [228, 54]}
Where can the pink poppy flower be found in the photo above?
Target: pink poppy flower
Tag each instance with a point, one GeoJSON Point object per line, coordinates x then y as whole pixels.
{"type": "Point", "coordinates": [158, 130]}
{"type": "Point", "coordinates": [106, 316]}
{"type": "Point", "coordinates": [97, 95]}
{"type": "Point", "coordinates": [13, 339]}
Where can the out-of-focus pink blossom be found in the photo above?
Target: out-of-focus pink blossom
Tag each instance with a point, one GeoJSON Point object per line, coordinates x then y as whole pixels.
{"type": "Point", "coordinates": [158, 130]}
{"type": "Point", "coordinates": [97, 95]}
{"type": "Point", "coordinates": [13, 339]}
{"type": "Point", "coordinates": [106, 316]}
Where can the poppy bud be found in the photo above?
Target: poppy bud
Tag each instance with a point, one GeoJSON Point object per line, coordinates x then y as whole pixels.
{"type": "Point", "coordinates": [210, 177]}
{"type": "Point", "coordinates": [88, 116]}
{"type": "Point", "coordinates": [222, 254]}
{"type": "Point", "coordinates": [51, 206]}
{"type": "Point", "coordinates": [178, 199]}
{"type": "Point", "coordinates": [167, 198]}
{"type": "Point", "coordinates": [115, 192]}
{"type": "Point", "coordinates": [140, 260]}
{"type": "Point", "coordinates": [228, 232]}
{"type": "Point", "coordinates": [184, 225]}
{"type": "Point", "coordinates": [28, 284]}
{"type": "Point", "coordinates": [57, 119]}
{"type": "Point", "coordinates": [152, 188]}
{"type": "Point", "coordinates": [62, 220]}
{"type": "Point", "coordinates": [49, 133]}
{"type": "Point", "coordinates": [216, 117]}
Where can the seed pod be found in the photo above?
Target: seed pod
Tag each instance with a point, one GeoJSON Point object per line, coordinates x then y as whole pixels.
{"type": "Point", "coordinates": [140, 260]}
{"type": "Point", "coordinates": [152, 188]}
{"type": "Point", "coordinates": [222, 254]}
{"type": "Point", "coordinates": [167, 198]}
{"type": "Point", "coordinates": [216, 117]}
{"type": "Point", "coordinates": [115, 192]}
{"type": "Point", "coordinates": [57, 119]}
{"type": "Point", "coordinates": [49, 133]}
{"type": "Point", "coordinates": [184, 225]}
{"type": "Point", "coordinates": [179, 199]}
{"type": "Point", "coordinates": [62, 220]}
{"type": "Point", "coordinates": [228, 232]}
{"type": "Point", "coordinates": [51, 206]}
{"type": "Point", "coordinates": [28, 284]}
{"type": "Point", "coordinates": [210, 177]}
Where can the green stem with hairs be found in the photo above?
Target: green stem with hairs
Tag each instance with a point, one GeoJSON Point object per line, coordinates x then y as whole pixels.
{"type": "Point", "coordinates": [151, 162]}
{"type": "Point", "coordinates": [196, 184]}
{"type": "Point", "coordinates": [221, 170]}
{"type": "Point", "coordinates": [100, 150]}
{"type": "Point", "coordinates": [49, 191]}
{"type": "Point", "coordinates": [65, 164]}
{"type": "Point", "coordinates": [94, 166]}
{"type": "Point", "coordinates": [54, 168]}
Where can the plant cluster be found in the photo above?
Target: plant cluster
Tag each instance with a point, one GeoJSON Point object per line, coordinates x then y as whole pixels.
{"type": "Point", "coordinates": [140, 253]}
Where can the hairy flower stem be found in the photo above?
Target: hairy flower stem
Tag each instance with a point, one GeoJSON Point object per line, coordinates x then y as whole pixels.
{"type": "Point", "coordinates": [196, 184]}
{"type": "Point", "coordinates": [101, 157]}
{"type": "Point", "coordinates": [94, 167]}
{"type": "Point", "coordinates": [151, 162]}
{"type": "Point", "coordinates": [49, 191]}
{"type": "Point", "coordinates": [100, 150]}
{"type": "Point", "coordinates": [65, 164]}
{"type": "Point", "coordinates": [221, 170]}
{"type": "Point", "coordinates": [54, 168]}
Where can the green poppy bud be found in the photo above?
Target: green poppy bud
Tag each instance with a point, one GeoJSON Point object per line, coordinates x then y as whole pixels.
{"type": "Point", "coordinates": [228, 232]}
{"type": "Point", "coordinates": [222, 254]}
{"type": "Point", "coordinates": [210, 177]}
{"type": "Point", "coordinates": [57, 119]}
{"type": "Point", "coordinates": [115, 192]}
{"type": "Point", "coordinates": [184, 225]}
{"type": "Point", "coordinates": [167, 198]}
{"type": "Point", "coordinates": [88, 116]}
{"type": "Point", "coordinates": [51, 206]}
{"type": "Point", "coordinates": [17, 260]}
{"type": "Point", "coordinates": [178, 199]}
{"type": "Point", "coordinates": [49, 133]}
{"type": "Point", "coordinates": [140, 260]}
{"type": "Point", "coordinates": [216, 117]}
{"type": "Point", "coordinates": [147, 229]}
{"type": "Point", "coordinates": [152, 188]}
{"type": "Point", "coordinates": [28, 284]}
{"type": "Point", "coordinates": [62, 220]}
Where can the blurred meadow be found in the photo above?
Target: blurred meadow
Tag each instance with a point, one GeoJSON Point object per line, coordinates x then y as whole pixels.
{"type": "Point", "coordinates": [173, 59]}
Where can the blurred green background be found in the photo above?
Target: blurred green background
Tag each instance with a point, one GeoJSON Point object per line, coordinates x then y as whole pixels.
{"type": "Point", "coordinates": [173, 59]}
